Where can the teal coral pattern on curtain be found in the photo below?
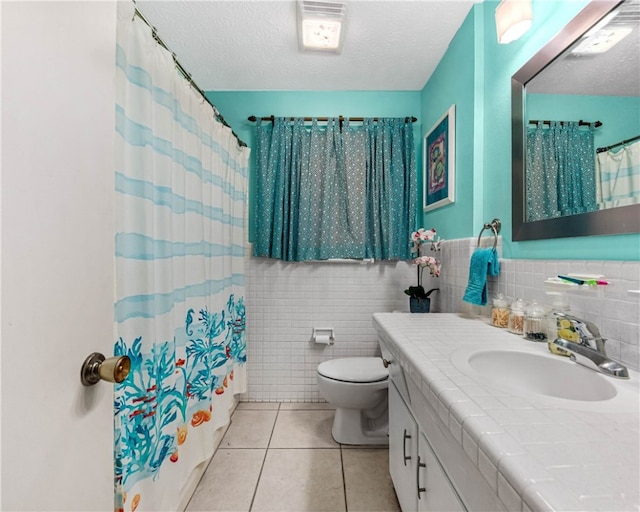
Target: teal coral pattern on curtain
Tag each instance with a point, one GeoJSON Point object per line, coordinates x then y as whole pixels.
{"type": "Point", "coordinates": [560, 170]}
{"type": "Point", "coordinates": [334, 191]}
{"type": "Point", "coordinates": [175, 382]}
{"type": "Point", "coordinates": [180, 192]}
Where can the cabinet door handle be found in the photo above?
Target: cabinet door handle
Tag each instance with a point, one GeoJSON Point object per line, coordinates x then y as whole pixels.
{"type": "Point", "coordinates": [420, 465]}
{"type": "Point", "coordinates": [404, 447]}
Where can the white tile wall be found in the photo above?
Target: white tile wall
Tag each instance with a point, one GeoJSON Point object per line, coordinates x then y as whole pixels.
{"type": "Point", "coordinates": [612, 308]}
{"type": "Point", "coordinates": [286, 300]}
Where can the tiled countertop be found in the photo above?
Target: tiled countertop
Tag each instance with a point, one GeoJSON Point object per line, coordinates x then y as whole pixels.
{"type": "Point", "coordinates": [537, 454]}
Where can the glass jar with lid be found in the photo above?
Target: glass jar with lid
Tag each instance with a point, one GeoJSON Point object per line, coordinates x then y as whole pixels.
{"type": "Point", "coordinates": [516, 317]}
{"type": "Point", "coordinates": [535, 326]}
{"type": "Point", "coordinates": [500, 311]}
{"type": "Point", "coordinates": [557, 325]}
{"type": "Point", "coordinates": [558, 304]}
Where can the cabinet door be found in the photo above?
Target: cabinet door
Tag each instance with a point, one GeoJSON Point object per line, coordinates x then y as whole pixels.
{"type": "Point", "coordinates": [403, 449]}
{"type": "Point", "coordinates": [435, 492]}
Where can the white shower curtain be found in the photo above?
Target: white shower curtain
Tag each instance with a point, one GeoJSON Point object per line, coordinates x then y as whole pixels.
{"type": "Point", "coordinates": [618, 176]}
{"type": "Point", "coordinates": [181, 185]}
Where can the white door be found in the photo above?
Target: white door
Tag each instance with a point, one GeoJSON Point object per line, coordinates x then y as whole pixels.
{"type": "Point", "coordinates": [58, 104]}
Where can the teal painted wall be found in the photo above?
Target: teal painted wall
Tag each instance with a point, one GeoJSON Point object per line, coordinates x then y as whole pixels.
{"type": "Point", "coordinates": [453, 83]}
{"type": "Point", "coordinates": [475, 75]}
{"type": "Point", "coordinates": [501, 62]}
{"type": "Point", "coordinates": [236, 107]}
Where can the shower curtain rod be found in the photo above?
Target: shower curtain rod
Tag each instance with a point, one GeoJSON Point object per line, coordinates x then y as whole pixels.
{"type": "Point", "coordinates": [621, 143]}
{"type": "Point", "coordinates": [185, 74]}
{"type": "Point", "coordinates": [597, 124]}
{"type": "Point", "coordinates": [253, 119]}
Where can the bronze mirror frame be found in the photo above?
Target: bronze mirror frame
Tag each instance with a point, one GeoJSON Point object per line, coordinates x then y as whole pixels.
{"type": "Point", "coordinates": [625, 219]}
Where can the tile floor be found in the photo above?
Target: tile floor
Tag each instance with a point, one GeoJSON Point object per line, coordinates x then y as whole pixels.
{"type": "Point", "coordinates": [281, 458]}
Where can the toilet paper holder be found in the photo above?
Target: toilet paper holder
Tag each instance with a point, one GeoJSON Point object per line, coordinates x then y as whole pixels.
{"type": "Point", "coordinates": [323, 335]}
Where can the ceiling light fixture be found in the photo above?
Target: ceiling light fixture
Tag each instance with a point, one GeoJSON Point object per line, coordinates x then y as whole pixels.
{"type": "Point", "coordinates": [601, 41]}
{"type": "Point", "coordinates": [609, 31]}
{"type": "Point", "coordinates": [321, 25]}
{"type": "Point", "coordinates": [513, 19]}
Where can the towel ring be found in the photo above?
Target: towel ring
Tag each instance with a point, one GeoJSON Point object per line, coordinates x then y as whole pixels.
{"type": "Point", "coordinates": [494, 226]}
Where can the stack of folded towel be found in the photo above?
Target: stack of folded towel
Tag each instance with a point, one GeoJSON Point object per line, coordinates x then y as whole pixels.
{"type": "Point", "coordinates": [484, 262]}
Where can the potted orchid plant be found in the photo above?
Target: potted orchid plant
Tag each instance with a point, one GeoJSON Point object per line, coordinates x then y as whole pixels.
{"type": "Point", "coordinates": [419, 301]}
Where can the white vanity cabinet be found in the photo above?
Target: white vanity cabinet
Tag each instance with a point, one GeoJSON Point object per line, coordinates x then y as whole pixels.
{"type": "Point", "coordinates": [487, 458]}
{"type": "Point", "coordinates": [403, 450]}
{"type": "Point", "coordinates": [419, 480]}
{"type": "Point", "coordinates": [436, 492]}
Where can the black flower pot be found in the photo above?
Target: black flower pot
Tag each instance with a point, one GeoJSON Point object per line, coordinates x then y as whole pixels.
{"type": "Point", "coordinates": [419, 305]}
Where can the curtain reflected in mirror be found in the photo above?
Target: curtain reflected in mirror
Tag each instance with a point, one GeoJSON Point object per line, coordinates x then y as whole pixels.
{"type": "Point", "coordinates": [596, 79]}
{"type": "Point", "coordinates": [618, 174]}
{"type": "Point", "coordinates": [576, 128]}
{"type": "Point", "coordinates": [560, 170]}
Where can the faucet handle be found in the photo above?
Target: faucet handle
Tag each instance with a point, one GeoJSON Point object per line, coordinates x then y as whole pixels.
{"type": "Point", "coordinates": [585, 328]}
{"type": "Point", "coordinates": [600, 345]}
{"type": "Point", "coordinates": [588, 332]}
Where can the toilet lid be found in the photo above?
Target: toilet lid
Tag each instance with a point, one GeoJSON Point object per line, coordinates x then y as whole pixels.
{"type": "Point", "coordinates": [354, 369]}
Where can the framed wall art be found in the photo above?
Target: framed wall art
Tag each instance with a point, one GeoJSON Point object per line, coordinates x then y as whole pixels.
{"type": "Point", "coordinates": [439, 162]}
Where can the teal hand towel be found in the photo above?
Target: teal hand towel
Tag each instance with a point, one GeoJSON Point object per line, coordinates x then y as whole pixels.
{"type": "Point", "coordinates": [484, 262]}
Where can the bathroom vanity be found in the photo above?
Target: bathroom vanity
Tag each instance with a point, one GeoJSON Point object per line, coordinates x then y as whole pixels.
{"type": "Point", "coordinates": [481, 419]}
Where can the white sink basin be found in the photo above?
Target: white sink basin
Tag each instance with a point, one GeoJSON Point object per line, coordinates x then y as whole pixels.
{"type": "Point", "coordinates": [532, 372]}
{"type": "Point", "coordinates": [542, 375]}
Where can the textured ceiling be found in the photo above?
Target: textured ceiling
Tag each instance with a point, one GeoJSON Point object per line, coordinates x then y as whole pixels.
{"type": "Point", "coordinates": [613, 73]}
{"type": "Point", "coordinates": [252, 44]}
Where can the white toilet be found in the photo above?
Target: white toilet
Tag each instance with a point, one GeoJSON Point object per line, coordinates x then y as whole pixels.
{"type": "Point", "coordinates": [357, 387]}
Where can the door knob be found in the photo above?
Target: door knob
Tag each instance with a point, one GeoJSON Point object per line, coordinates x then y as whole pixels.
{"type": "Point", "coordinates": [96, 367]}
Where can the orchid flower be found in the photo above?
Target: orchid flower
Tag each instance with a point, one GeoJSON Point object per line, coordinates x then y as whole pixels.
{"type": "Point", "coordinates": [428, 235]}
{"type": "Point", "coordinates": [425, 261]}
{"type": "Point", "coordinates": [416, 239]}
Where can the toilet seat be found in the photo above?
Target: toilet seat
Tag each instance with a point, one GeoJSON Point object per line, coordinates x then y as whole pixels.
{"type": "Point", "coordinates": [354, 369]}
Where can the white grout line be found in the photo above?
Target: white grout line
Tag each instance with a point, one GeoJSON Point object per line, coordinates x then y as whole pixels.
{"type": "Point", "coordinates": [255, 489]}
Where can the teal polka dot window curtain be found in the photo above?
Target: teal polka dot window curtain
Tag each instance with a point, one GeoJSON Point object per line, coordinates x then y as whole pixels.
{"type": "Point", "coordinates": [560, 171]}
{"type": "Point", "coordinates": [332, 191]}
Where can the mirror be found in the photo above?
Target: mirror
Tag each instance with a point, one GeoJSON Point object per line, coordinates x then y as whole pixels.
{"type": "Point", "coordinates": [540, 77]}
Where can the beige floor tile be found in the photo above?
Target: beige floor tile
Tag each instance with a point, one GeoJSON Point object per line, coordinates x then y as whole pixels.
{"type": "Point", "coordinates": [297, 406]}
{"type": "Point", "coordinates": [259, 406]}
{"type": "Point", "coordinates": [367, 481]}
{"type": "Point", "coordinates": [303, 429]}
{"type": "Point", "coordinates": [300, 480]}
{"type": "Point", "coordinates": [236, 471]}
{"type": "Point", "coordinates": [249, 429]}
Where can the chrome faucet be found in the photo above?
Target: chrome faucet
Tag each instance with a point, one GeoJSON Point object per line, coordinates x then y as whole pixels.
{"type": "Point", "coordinates": [589, 350]}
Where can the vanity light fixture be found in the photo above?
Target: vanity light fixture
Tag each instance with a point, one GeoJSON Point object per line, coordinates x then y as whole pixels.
{"type": "Point", "coordinates": [321, 25]}
{"type": "Point", "coordinates": [513, 19]}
